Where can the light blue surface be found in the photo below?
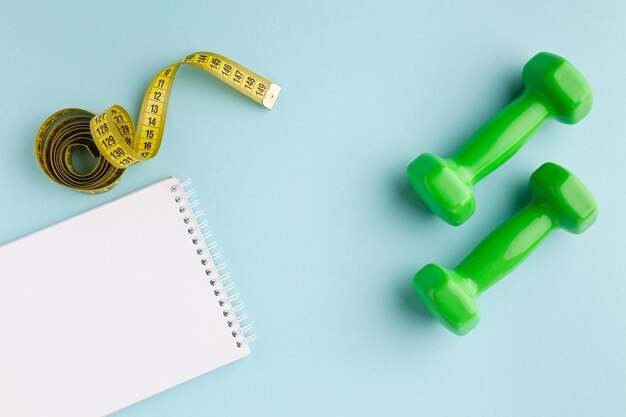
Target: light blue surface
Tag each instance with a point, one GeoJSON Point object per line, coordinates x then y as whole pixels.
{"type": "Point", "coordinates": [310, 201]}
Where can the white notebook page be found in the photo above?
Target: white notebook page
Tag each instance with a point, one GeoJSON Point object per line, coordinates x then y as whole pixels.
{"type": "Point", "coordinates": [108, 308]}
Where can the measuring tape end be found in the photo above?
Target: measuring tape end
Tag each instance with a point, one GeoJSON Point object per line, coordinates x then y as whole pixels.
{"type": "Point", "coordinates": [271, 96]}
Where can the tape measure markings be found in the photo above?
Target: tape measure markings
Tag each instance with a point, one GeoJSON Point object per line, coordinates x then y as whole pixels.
{"type": "Point", "coordinates": [111, 135]}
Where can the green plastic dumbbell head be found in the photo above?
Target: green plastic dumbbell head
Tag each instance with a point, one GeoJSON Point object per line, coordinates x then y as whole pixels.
{"type": "Point", "coordinates": [450, 299]}
{"type": "Point", "coordinates": [444, 189]}
{"type": "Point", "coordinates": [568, 198]}
{"type": "Point", "coordinates": [561, 84]}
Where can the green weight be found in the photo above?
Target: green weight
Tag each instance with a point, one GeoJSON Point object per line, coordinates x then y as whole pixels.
{"type": "Point", "coordinates": [554, 88]}
{"type": "Point", "coordinates": [559, 200]}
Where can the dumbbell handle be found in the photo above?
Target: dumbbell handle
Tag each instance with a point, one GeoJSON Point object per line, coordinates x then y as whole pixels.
{"type": "Point", "coordinates": [507, 246]}
{"type": "Point", "coordinates": [502, 136]}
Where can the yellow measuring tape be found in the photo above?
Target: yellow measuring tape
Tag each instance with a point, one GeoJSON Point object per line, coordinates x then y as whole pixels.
{"type": "Point", "coordinates": [111, 135]}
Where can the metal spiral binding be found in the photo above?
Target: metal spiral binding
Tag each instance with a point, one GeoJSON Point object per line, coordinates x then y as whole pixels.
{"type": "Point", "coordinates": [206, 248]}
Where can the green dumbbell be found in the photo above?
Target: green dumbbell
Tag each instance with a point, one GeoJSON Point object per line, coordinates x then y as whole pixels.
{"type": "Point", "coordinates": [554, 88]}
{"type": "Point", "coordinates": [560, 200]}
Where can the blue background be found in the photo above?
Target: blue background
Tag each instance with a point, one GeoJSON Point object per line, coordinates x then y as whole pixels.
{"type": "Point", "coordinates": [311, 205]}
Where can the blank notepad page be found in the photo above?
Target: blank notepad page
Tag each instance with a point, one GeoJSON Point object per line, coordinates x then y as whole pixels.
{"type": "Point", "coordinates": [110, 307]}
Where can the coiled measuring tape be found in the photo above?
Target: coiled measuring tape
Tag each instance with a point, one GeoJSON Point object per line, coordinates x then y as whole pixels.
{"type": "Point", "coordinates": [111, 135]}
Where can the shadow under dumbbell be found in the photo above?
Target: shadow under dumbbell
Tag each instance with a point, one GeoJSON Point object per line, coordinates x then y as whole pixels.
{"type": "Point", "coordinates": [520, 196]}
{"type": "Point", "coordinates": [410, 303]}
{"type": "Point", "coordinates": [409, 200]}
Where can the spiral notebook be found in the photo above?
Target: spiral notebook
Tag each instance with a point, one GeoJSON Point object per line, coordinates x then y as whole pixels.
{"type": "Point", "coordinates": [113, 306]}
